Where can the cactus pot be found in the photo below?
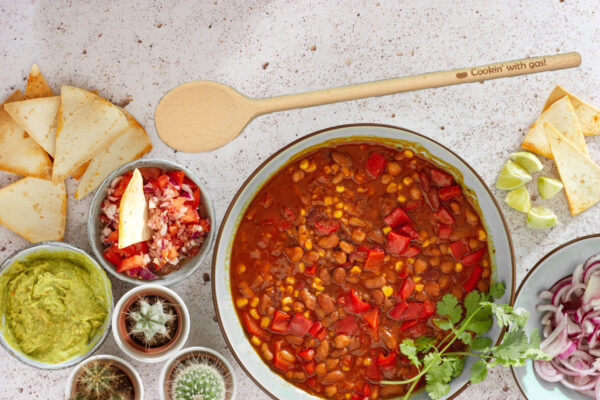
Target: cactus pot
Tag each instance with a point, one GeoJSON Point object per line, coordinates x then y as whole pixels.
{"type": "Point", "coordinates": [196, 356]}
{"type": "Point", "coordinates": [71, 391]}
{"type": "Point", "coordinates": [134, 348]}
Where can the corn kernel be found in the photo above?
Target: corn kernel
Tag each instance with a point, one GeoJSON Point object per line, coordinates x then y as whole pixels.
{"type": "Point", "coordinates": [392, 188]}
{"type": "Point", "coordinates": [367, 361]}
{"type": "Point", "coordinates": [302, 212]}
{"type": "Point", "coordinates": [417, 279]}
{"type": "Point", "coordinates": [321, 253]}
{"type": "Point", "coordinates": [254, 302]}
{"type": "Point", "coordinates": [290, 279]}
{"type": "Point", "coordinates": [312, 166]}
{"type": "Point", "coordinates": [340, 188]}
{"type": "Point", "coordinates": [401, 198]}
{"type": "Point", "coordinates": [426, 243]}
{"type": "Point", "coordinates": [327, 169]}
{"type": "Point", "coordinates": [348, 396]}
{"type": "Point", "coordinates": [328, 200]}
{"type": "Point", "coordinates": [307, 314]}
{"type": "Point", "coordinates": [481, 235]}
{"type": "Point", "coordinates": [254, 313]}
{"type": "Point", "coordinates": [398, 266]}
{"type": "Point", "coordinates": [265, 322]}
{"type": "Point", "coordinates": [308, 244]}
{"type": "Point", "coordinates": [361, 189]}
{"type": "Point", "coordinates": [407, 180]}
{"type": "Point", "coordinates": [304, 164]}
{"type": "Point", "coordinates": [410, 260]}
{"type": "Point", "coordinates": [335, 168]}
{"type": "Point", "coordinates": [289, 290]}
{"type": "Point", "coordinates": [255, 341]}
{"type": "Point", "coordinates": [286, 300]}
{"type": "Point", "coordinates": [345, 368]}
{"type": "Point", "coordinates": [485, 263]}
{"type": "Point", "coordinates": [241, 268]}
{"type": "Point", "coordinates": [296, 293]}
{"type": "Point", "coordinates": [408, 153]}
{"type": "Point", "coordinates": [419, 287]}
{"type": "Point", "coordinates": [386, 230]}
{"type": "Point", "coordinates": [355, 270]}
{"type": "Point", "coordinates": [387, 291]}
{"type": "Point", "coordinates": [241, 302]}
{"type": "Point", "coordinates": [318, 287]}
{"type": "Point", "coordinates": [286, 308]}
{"type": "Point", "coordinates": [317, 280]}
{"type": "Point", "coordinates": [301, 267]}
{"type": "Point", "coordinates": [458, 267]}
{"type": "Point", "coordinates": [339, 206]}
{"type": "Point", "coordinates": [338, 214]}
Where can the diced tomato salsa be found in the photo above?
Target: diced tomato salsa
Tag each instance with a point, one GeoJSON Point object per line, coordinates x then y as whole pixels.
{"type": "Point", "coordinates": [174, 217]}
{"type": "Point", "coordinates": [342, 255]}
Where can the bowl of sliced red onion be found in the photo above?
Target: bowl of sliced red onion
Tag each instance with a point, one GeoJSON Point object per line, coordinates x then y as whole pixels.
{"type": "Point", "coordinates": [562, 293]}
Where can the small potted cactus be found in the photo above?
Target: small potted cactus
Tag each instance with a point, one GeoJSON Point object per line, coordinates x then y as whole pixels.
{"type": "Point", "coordinates": [197, 373]}
{"type": "Point", "coordinates": [150, 323]}
{"type": "Point", "coordinates": [104, 377]}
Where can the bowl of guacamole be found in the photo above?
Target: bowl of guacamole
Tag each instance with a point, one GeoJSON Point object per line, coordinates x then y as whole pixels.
{"type": "Point", "coordinates": [55, 305]}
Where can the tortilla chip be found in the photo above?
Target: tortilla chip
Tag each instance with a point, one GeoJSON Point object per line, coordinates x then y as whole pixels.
{"type": "Point", "coordinates": [130, 145]}
{"type": "Point", "coordinates": [19, 153]}
{"type": "Point", "coordinates": [588, 115]}
{"type": "Point", "coordinates": [562, 117]}
{"type": "Point", "coordinates": [38, 118]}
{"type": "Point", "coordinates": [133, 213]}
{"type": "Point", "coordinates": [87, 124]}
{"type": "Point", "coordinates": [36, 85]}
{"type": "Point", "coordinates": [36, 209]}
{"type": "Point", "coordinates": [78, 173]}
{"type": "Point", "coordinates": [579, 174]}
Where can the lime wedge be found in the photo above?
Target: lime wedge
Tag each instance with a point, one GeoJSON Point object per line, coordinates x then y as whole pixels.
{"type": "Point", "coordinates": [548, 187]}
{"type": "Point", "coordinates": [519, 199]}
{"type": "Point", "coordinates": [512, 176]}
{"type": "Point", "coordinates": [528, 161]}
{"type": "Point", "coordinates": [541, 218]}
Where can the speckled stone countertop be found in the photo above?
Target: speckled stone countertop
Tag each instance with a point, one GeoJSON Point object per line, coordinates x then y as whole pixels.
{"type": "Point", "coordinates": [137, 50]}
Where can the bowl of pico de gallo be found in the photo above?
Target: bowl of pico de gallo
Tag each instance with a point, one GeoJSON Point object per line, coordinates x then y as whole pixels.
{"type": "Point", "coordinates": [180, 223]}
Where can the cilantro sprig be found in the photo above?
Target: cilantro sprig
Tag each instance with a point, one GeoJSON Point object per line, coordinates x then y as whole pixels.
{"type": "Point", "coordinates": [467, 323]}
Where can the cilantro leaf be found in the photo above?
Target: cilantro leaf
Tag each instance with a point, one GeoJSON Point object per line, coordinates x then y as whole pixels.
{"type": "Point", "coordinates": [506, 316]}
{"type": "Point", "coordinates": [449, 307]}
{"type": "Point", "coordinates": [425, 343]}
{"type": "Point", "coordinates": [481, 321]}
{"type": "Point", "coordinates": [465, 337]}
{"type": "Point", "coordinates": [497, 290]}
{"type": "Point", "coordinates": [534, 352]}
{"type": "Point", "coordinates": [438, 377]}
{"type": "Point", "coordinates": [512, 349]}
{"type": "Point", "coordinates": [481, 343]}
{"type": "Point", "coordinates": [455, 363]}
{"type": "Point", "coordinates": [479, 371]}
{"type": "Point", "coordinates": [472, 302]}
{"type": "Point", "coordinates": [443, 324]}
{"type": "Point", "coordinates": [408, 348]}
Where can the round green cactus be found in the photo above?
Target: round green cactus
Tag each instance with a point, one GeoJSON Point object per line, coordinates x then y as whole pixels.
{"type": "Point", "coordinates": [198, 381]}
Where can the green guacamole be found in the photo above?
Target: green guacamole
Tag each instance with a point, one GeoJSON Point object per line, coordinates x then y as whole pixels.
{"type": "Point", "coordinates": [53, 305]}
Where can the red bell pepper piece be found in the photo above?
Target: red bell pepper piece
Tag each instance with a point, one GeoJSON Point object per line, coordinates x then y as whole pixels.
{"type": "Point", "coordinates": [113, 237]}
{"type": "Point", "coordinates": [122, 184]}
{"type": "Point", "coordinates": [396, 243]}
{"type": "Point", "coordinates": [195, 192]}
{"type": "Point", "coordinates": [411, 251]}
{"type": "Point", "coordinates": [374, 260]}
{"type": "Point", "coordinates": [191, 216]}
{"type": "Point", "coordinates": [280, 322]}
{"type": "Point", "coordinates": [409, 231]}
{"type": "Point", "coordinates": [458, 250]}
{"type": "Point", "coordinates": [299, 325]}
{"type": "Point", "coordinates": [411, 205]}
{"type": "Point", "coordinates": [414, 310]}
{"type": "Point", "coordinates": [375, 164]}
{"type": "Point", "coordinates": [417, 331]}
{"type": "Point", "coordinates": [177, 176]}
{"type": "Point", "coordinates": [279, 362]}
{"type": "Point", "coordinates": [113, 255]}
{"type": "Point", "coordinates": [346, 326]}
{"type": "Point", "coordinates": [310, 270]}
{"type": "Point", "coordinates": [434, 199]}
{"type": "Point", "coordinates": [356, 304]}
{"type": "Point", "coordinates": [449, 192]}
{"type": "Point", "coordinates": [309, 367]}
{"type": "Point", "coordinates": [444, 232]}
{"type": "Point", "coordinates": [440, 178]}
{"type": "Point", "coordinates": [372, 318]}
{"type": "Point", "coordinates": [444, 216]}
{"type": "Point", "coordinates": [428, 309]}
{"type": "Point", "coordinates": [307, 355]}
{"type": "Point", "coordinates": [366, 390]}
{"type": "Point", "coordinates": [396, 312]}
{"type": "Point", "coordinates": [253, 328]}
{"type": "Point", "coordinates": [406, 325]}
{"type": "Point", "coordinates": [425, 181]}
{"type": "Point", "coordinates": [136, 261]}
{"type": "Point", "coordinates": [162, 181]}
{"type": "Point", "coordinates": [317, 330]}
{"type": "Point", "coordinates": [387, 361]}
{"type": "Point", "coordinates": [474, 276]}
{"type": "Point", "coordinates": [407, 288]}
{"type": "Point", "coordinates": [396, 218]}
{"type": "Point", "coordinates": [326, 227]}
{"type": "Point", "coordinates": [473, 258]}
{"type": "Point", "coordinates": [371, 372]}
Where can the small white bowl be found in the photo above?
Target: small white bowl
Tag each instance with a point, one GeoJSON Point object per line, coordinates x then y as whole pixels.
{"type": "Point", "coordinates": [133, 374]}
{"type": "Point", "coordinates": [220, 361]}
{"type": "Point", "coordinates": [141, 355]}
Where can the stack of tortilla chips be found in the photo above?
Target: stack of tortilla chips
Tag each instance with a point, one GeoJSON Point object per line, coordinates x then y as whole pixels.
{"type": "Point", "coordinates": [47, 138]}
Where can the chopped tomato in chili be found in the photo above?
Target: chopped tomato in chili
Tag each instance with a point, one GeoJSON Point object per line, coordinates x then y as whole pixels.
{"type": "Point", "coordinates": [342, 255]}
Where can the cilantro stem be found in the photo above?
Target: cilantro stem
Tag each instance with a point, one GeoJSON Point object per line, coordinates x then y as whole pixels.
{"type": "Point", "coordinates": [467, 353]}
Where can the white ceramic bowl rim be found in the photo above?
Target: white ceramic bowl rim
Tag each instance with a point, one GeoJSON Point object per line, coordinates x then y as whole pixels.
{"type": "Point", "coordinates": [126, 364]}
{"type": "Point", "coordinates": [330, 135]}
{"type": "Point", "coordinates": [58, 246]}
{"type": "Point", "coordinates": [189, 266]}
{"type": "Point", "coordinates": [136, 354]}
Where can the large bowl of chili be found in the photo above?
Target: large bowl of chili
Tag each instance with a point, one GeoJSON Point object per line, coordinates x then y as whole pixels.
{"type": "Point", "coordinates": [338, 247]}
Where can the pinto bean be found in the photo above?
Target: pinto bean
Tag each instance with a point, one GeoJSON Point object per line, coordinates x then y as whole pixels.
{"type": "Point", "coordinates": [295, 340]}
{"type": "Point", "coordinates": [337, 353]}
{"type": "Point", "coordinates": [294, 253]}
{"type": "Point", "coordinates": [341, 159]}
{"type": "Point", "coordinates": [388, 338]}
{"type": "Point", "coordinates": [329, 241]}
{"type": "Point", "coordinates": [264, 303]}
{"type": "Point", "coordinates": [354, 343]}
{"type": "Point", "coordinates": [341, 341]}
{"type": "Point", "coordinates": [326, 302]}
{"type": "Point", "coordinates": [286, 356]}
{"type": "Point", "coordinates": [330, 319]}
{"type": "Point", "coordinates": [309, 299]}
{"type": "Point", "coordinates": [340, 257]}
{"type": "Point", "coordinates": [393, 168]}
{"type": "Point", "coordinates": [339, 275]}
{"type": "Point", "coordinates": [375, 283]}
{"type": "Point", "coordinates": [376, 236]}
{"type": "Point", "coordinates": [447, 266]}
{"type": "Point", "coordinates": [420, 266]}
{"type": "Point", "coordinates": [325, 276]}
{"type": "Point", "coordinates": [331, 363]}
{"type": "Point", "coordinates": [354, 221]}
{"type": "Point", "coordinates": [322, 351]}
{"type": "Point", "coordinates": [298, 175]}
{"type": "Point", "coordinates": [358, 235]}
{"type": "Point", "coordinates": [266, 352]}
{"type": "Point", "coordinates": [321, 369]}
{"type": "Point", "coordinates": [332, 377]}
{"type": "Point", "coordinates": [432, 288]}
{"type": "Point", "coordinates": [330, 390]}
{"type": "Point", "coordinates": [471, 217]}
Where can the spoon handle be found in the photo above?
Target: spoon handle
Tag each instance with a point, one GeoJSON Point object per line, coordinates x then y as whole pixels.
{"type": "Point", "coordinates": [418, 82]}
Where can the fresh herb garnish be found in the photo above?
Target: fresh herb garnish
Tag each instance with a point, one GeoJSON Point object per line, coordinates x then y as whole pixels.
{"type": "Point", "coordinates": [466, 323]}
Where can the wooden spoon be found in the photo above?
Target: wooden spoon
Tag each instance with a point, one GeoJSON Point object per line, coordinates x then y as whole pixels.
{"type": "Point", "coordinates": [204, 115]}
